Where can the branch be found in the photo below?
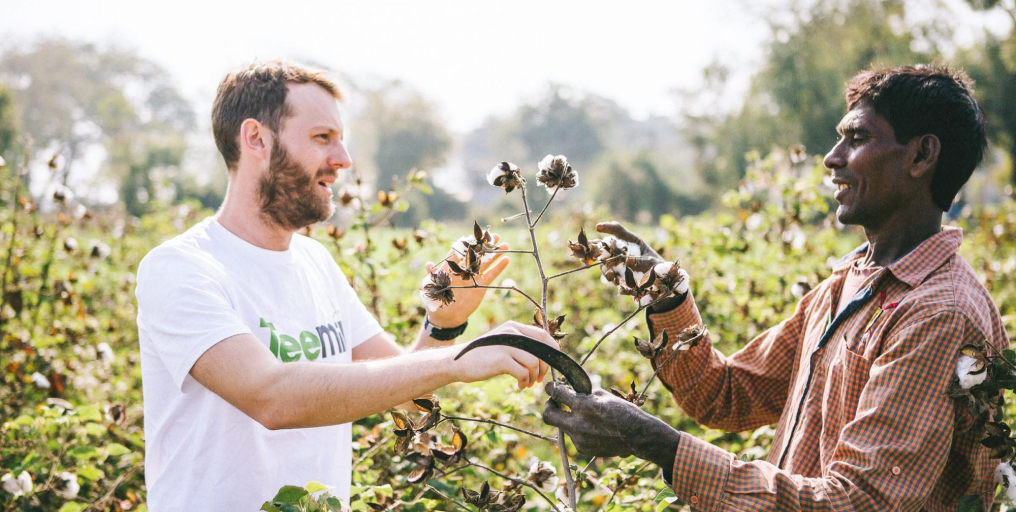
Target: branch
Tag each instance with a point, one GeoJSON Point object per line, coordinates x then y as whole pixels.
{"type": "Point", "coordinates": [518, 481]}
{"type": "Point", "coordinates": [540, 216]}
{"type": "Point", "coordinates": [597, 264]}
{"type": "Point", "coordinates": [381, 442]}
{"type": "Point", "coordinates": [674, 352]}
{"type": "Point", "coordinates": [618, 326]}
{"type": "Point", "coordinates": [449, 498]}
{"type": "Point", "coordinates": [490, 286]}
{"type": "Point", "coordinates": [505, 425]}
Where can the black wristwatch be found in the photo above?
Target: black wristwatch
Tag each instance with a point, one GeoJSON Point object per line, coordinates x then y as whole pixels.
{"type": "Point", "coordinates": [442, 334]}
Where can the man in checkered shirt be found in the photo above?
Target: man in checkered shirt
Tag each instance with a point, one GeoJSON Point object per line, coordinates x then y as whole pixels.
{"type": "Point", "coordinates": [856, 378]}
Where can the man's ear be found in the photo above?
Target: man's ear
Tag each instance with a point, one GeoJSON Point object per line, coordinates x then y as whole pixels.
{"type": "Point", "coordinates": [255, 139]}
{"type": "Point", "coordinates": [927, 149]}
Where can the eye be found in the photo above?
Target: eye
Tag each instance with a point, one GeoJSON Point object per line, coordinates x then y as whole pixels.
{"type": "Point", "coordinates": [323, 136]}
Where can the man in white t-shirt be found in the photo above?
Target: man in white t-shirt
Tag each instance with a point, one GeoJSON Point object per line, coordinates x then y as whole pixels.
{"type": "Point", "coordinates": [255, 351]}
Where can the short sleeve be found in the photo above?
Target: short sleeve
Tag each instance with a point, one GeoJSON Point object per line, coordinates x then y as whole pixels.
{"type": "Point", "coordinates": [183, 310]}
{"type": "Point", "coordinates": [361, 324]}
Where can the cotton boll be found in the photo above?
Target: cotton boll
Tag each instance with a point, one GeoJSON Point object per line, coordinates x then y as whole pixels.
{"type": "Point", "coordinates": [645, 301]}
{"type": "Point", "coordinates": [661, 269]}
{"type": "Point", "coordinates": [431, 304]}
{"type": "Point", "coordinates": [683, 287]}
{"type": "Point", "coordinates": [105, 352]}
{"type": "Point", "coordinates": [493, 174]}
{"type": "Point", "coordinates": [1005, 477]}
{"type": "Point", "coordinates": [19, 486]}
{"type": "Point", "coordinates": [68, 487]}
{"type": "Point", "coordinates": [543, 475]}
{"type": "Point", "coordinates": [964, 368]}
{"type": "Point", "coordinates": [40, 380]}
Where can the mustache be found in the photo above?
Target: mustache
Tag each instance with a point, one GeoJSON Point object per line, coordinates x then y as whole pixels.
{"type": "Point", "coordinates": [326, 172]}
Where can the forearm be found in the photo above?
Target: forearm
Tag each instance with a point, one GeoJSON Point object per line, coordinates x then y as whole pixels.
{"type": "Point", "coordinates": [424, 342]}
{"type": "Point", "coordinates": [313, 395]}
{"type": "Point", "coordinates": [735, 393]}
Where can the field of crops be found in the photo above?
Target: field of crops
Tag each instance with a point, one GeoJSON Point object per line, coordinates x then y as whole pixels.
{"type": "Point", "coordinates": [71, 402]}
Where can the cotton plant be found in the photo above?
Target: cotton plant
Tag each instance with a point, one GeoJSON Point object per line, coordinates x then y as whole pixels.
{"type": "Point", "coordinates": [979, 382]}
{"type": "Point", "coordinates": [620, 263]}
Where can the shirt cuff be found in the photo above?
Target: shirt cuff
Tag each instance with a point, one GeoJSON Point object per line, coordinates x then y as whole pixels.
{"type": "Point", "coordinates": [700, 473]}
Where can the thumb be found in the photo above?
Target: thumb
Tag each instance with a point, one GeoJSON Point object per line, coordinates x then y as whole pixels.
{"type": "Point", "coordinates": [618, 230]}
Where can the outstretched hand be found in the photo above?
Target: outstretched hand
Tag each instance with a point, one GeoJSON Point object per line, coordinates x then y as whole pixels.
{"type": "Point", "coordinates": [648, 257]}
{"type": "Point", "coordinates": [603, 425]}
{"type": "Point", "coordinates": [467, 299]}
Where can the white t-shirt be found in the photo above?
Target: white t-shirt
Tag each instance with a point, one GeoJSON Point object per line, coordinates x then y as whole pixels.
{"type": "Point", "coordinates": [202, 287]}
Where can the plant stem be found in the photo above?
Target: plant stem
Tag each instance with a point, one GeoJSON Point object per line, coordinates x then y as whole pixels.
{"type": "Point", "coordinates": [540, 216]}
{"type": "Point", "coordinates": [518, 481]}
{"type": "Point", "coordinates": [505, 425]}
{"type": "Point", "coordinates": [673, 353]}
{"type": "Point", "coordinates": [561, 446]}
{"type": "Point", "coordinates": [449, 498]}
{"type": "Point", "coordinates": [381, 442]}
{"type": "Point", "coordinates": [524, 294]}
{"type": "Point", "coordinates": [511, 251]}
{"type": "Point", "coordinates": [597, 264]}
{"type": "Point", "coordinates": [618, 326]}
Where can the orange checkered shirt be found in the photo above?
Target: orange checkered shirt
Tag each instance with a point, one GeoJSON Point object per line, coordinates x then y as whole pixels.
{"type": "Point", "coordinates": [864, 422]}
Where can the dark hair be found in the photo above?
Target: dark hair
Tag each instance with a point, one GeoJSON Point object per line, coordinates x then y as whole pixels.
{"type": "Point", "coordinates": [929, 99]}
{"type": "Point", "coordinates": [258, 92]}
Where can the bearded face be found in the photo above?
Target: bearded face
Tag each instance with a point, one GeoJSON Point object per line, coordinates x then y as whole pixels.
{"type": "Point", "coordinates": [290, 195]}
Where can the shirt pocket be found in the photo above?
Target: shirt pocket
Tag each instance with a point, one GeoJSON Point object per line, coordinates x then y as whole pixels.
{"type": "Point", "coordinates": [854, 369]}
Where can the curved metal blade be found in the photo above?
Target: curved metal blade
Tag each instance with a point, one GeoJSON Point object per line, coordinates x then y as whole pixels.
{"type": "Point", "coordinates": [573, 373]}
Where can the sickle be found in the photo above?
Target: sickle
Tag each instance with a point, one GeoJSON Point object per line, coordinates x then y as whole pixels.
{"type": "Point", "coordinates": [573, 373]}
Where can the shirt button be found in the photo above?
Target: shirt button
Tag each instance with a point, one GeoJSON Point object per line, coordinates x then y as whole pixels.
{"type": "Point", "coordinates": [693, 500]}
{"type": "Point", "coordinates": [896, 470]}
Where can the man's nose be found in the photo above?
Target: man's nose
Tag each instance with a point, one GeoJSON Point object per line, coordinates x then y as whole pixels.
{"type": "Point", "coordinates": [835, 158]}
{"type": "Point", "coordinates": [339, 158]}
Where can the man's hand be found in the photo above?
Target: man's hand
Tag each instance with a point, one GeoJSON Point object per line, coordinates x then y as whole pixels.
{"type": "Point", "coordinates": [486, 362]}
{"type": "Point", "coordinates": [603, 425]}
{"type": "Point", "coordinates": [467, 299]}
{"type": "Point", "coordinates": [648, 258]}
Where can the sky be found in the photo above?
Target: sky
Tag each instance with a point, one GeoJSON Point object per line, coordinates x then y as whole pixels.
{"type": "Point", "coordinates": [473, 59]}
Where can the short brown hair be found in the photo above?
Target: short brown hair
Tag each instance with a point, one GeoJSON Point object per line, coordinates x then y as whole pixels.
{"type": "Point", "coordinates": [929, 99]}
{"type": "Point", "coordinates": [258, 92]}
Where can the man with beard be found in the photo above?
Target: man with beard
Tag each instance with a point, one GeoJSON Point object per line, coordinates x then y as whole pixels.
{"type": "Point", "coordinates": [858, 378]}
{"type": "Point", "coordinates": [255, 351]}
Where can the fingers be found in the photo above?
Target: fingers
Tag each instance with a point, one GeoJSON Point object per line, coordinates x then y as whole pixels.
{"type": "Point", "coordinates": [543, 370]}
{"type": "Point", "coordinates": [616, 229]}
{"type": "Point", "coordinates": [530, 362]}
{"type": "Point", "coordinates": [563, 393]}
{"type": "Point", "coordinates": [494, 267]}
{"type": "Point", "coordinates": [521, 374]}
{"type": "Point", "coordinates": [554, 415]}
{"type": "Point", "coordinates": [538, 333]}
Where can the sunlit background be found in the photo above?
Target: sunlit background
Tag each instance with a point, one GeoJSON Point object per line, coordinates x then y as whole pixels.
{"type": "Point", "coordinates": [668, 96]}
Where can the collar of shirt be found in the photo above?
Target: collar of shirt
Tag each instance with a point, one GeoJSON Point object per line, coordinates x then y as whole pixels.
{"type": "Point", "coordinates": [917, 264]}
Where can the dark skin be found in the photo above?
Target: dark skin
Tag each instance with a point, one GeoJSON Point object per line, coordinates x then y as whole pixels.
{"type": "Point", "coordinates": [884, 186]}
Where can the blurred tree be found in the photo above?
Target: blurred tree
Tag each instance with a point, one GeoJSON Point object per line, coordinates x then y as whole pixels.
{"type": "Point", "coordinates": [71, 96]}
{"type": "Point", "coordinates": [631, 185]}
{"type": "Point", "coordinates": [398, 130]}
{"type": "Point", "coordinates": [992, 65]}
{"type": "Point", "coordinates": [798, 95]}
{"type": "Point", "coordinates": [560, 124]}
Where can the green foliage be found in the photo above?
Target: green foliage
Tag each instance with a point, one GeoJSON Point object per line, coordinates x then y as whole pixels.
{"type": "Point", "coordinates": [776, 230]}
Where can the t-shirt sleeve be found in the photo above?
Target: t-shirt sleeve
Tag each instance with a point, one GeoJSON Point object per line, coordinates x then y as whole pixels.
{"type": "Point", "coordinates": [183, 310]}
{"type": "Point", "coordinates": [361, 324]}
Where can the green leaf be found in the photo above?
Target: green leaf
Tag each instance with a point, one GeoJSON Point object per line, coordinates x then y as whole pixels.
{"type": "Point", "coordinates": [89, 413]}
{"type": "Point", "coordinates": [24, 421]}
{"type": "Point", "coordinates": [95, 429]}
{"type": "Point", "coordinates": [426, 189]}
{"type": "Point", "coordinates": [665, 498]}
{"type": "Point", "coordinates": [1010, 355]}
{"type": "Point", "coordinates": [290, 494]}
{"type": "Point", "coordinates": [90, 472]}
{"type": "Point", "coordinates": [72, 506]}
{"type": "Point", "coordinates": [401, 206]}
{"type": "Point", "coordinates": [85, 453]}
{"type": "Point", "coordinates": [116, 449]}
{"type": "Point", "coordinates": [313, 486]}
{"type": "Point", "coordinates": [384, 490]}
{"type": "Point", "coordinates": [268, 507]}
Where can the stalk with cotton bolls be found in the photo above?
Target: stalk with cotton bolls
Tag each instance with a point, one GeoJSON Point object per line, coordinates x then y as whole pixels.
{"type": "Point", "coordinates": [617, 261]}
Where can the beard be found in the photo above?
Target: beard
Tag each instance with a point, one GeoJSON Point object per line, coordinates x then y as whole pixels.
{"type": "Point", "coordinates": [288, 193]}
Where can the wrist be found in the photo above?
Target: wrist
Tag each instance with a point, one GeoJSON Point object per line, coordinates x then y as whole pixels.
{"type": "Point", "coordinates": [442, 333]}
{"type": "Point", "coordinates": [660, 444]}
